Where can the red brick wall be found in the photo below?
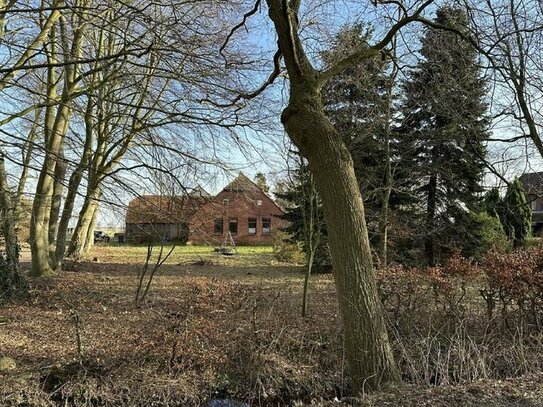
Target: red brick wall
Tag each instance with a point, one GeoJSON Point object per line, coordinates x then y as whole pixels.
{"type": "Point", "coordinates": [241, 206]}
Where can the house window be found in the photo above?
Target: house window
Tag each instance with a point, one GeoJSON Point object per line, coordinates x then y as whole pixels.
{"type": "Point", "coordinates": [259, 202]}
{"type": "Point", "coordinates": [252, 226]}
{"type": "Point", "coordinates": [225, 202]}
{"type": "Point", "coordinates": [266, 226]}
{"type": "Point", "coordinates": [219, 226]}
{"type": "Point", "coordinates": [233, 226]}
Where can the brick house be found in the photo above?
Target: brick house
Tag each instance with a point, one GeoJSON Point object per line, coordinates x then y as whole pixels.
{"type": "Point", "coordinates": [533, 188]}
{"type": "Point", "coordinates": [241, 208]}
{"type": "Point", "coordinates": [166, 218]}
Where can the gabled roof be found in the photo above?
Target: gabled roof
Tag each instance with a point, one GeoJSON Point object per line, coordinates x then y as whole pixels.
{"type": "Point", "coordinates": [533, 183]}
{"type": "Point", "coordinates": [163, 209]}
{"type": "Point", "coordinates": [199, 191]}
{"type": "Point", "coordinates": [242, 184]}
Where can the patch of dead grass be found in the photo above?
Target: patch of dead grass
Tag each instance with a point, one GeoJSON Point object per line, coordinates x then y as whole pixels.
{"type": "Point", "coordinates": [190, 339]}
{"type": "Point", "coordinates": [227, 328]}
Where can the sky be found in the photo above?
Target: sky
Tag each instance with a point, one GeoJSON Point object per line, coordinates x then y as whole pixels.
{"type": "Point", "coordinates": [264, 149]}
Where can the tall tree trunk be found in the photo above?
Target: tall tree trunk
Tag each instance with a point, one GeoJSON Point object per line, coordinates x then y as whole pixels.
{"type": "Point", "coordinates": [385, 203]}
{"type": "Point", "coordinates": [367, 345]}
{"type": "Point", "coordinates": [67, 210]}
{"type": "Point", "coordinates": [85, 224]}
{"type": "Point", "coordinates": [309, 226]}
{"type": "Point", "coordinates": [12, 283]}
{"type": "Point", "coordinates": [89, 240]}
{"type": "Point", "coordinates": [312, 231]}
{"type": "Point", "coordinates": [383, 221]}
{"type": "Point", "coordinates": [56, 203]}
{"type": "Point", "coordinates": [41, 206]}
{"type": "Point", "coordinates": [73, 187]}
{"type": "Point", "coordinates": [368, 350]}
{"type": "Point", "coordinates": [309, 267]}
{"type": "Point", "coordinates": [429, 244]}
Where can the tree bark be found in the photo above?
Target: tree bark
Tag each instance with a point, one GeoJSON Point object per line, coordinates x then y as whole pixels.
{"type": "Point", "coordinates": [56, 203]}
{"type": "Point", "coordinates": [67, 210]}
{"type": "Point", "coordinates": [43, 201]}
{"type": "Point", "coordinates": [41, 212]}
{"type": "Point", "coordinates": [368, 350]}
{"type": "Point", "coordinates": [73, 188]}
{"type": "Point", "coordinates": [85, 223]}
{"type": "Point", "coordinates": [89, 239]}
{"type": "Point", "coordinates": [367, 345]}
{"type": "Point", "coordinates": [12, 283]}
{"type": "Point", "coordinates": [27, 151]}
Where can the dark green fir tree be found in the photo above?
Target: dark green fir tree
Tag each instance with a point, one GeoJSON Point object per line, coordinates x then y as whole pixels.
{"type": "Point", "coordinates": [360, 103]}
{"type": "Point", "coordinates": [445, 124]}
{"type": "Point", "coordinates": [515, 214]}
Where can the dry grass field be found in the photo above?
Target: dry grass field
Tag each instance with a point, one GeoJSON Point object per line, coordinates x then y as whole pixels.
{"type": "Point", "coordinates": [212, 327]}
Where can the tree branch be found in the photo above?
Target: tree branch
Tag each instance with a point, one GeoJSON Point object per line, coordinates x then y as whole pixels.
{"type": "Point", "coordinates": [246, 16]}
{"type": "Point", "coordinates": [374, 50]}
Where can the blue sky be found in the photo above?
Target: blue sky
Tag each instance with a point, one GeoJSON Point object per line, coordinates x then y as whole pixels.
{"type": "Point", "coordinates": [264, 149]}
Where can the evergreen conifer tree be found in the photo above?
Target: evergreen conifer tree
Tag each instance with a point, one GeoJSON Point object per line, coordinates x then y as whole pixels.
{"type": "Point", "coordinates": [444, 129]}
{"type": "Point", "coordinates": [515, 214]}
{"type": "Point", "coordinates": [355, 104]}
{"type": "Point", "coordinates": [298, 198]}
{"type": "Point", "coordinates": [262, 182]}
{"type": "Point", "coordinates": [359, 104]}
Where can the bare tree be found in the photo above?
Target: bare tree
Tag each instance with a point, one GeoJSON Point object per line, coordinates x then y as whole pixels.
{"type": "Point", "coordinates": [367, 346]}
{"type": "Point", "coordinates": [312, 223]}
{"type": "Point", "coordinates": [509, 34]}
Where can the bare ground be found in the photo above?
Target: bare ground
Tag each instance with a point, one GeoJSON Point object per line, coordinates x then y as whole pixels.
{"type": "Point", "coordinates": [212, 327]}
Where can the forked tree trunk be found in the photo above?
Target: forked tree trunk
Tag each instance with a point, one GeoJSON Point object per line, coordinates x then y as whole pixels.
{"type": "Point", "coordinates": [367, 345]}
{"type": "Point", "coordinates": [67, 210]}
{"type": "Point", "coordinates": [56, 127]}
{"type": "Point", "coordinates": [368, 350]}
{"type": "Point", "coordinates": [42, 207]}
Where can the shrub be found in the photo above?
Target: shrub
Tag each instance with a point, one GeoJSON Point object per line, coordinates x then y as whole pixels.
{"type": "Point", "coordinates": [443, 321]}
{"type": "Point", "coordinates": [323, 258]}
{"type": "Point", "coordinates": [485, 233]}
{"type": "Point", "coordinates": [514, 281]}
{"type": "Point", "coordinates": [285, 250]}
